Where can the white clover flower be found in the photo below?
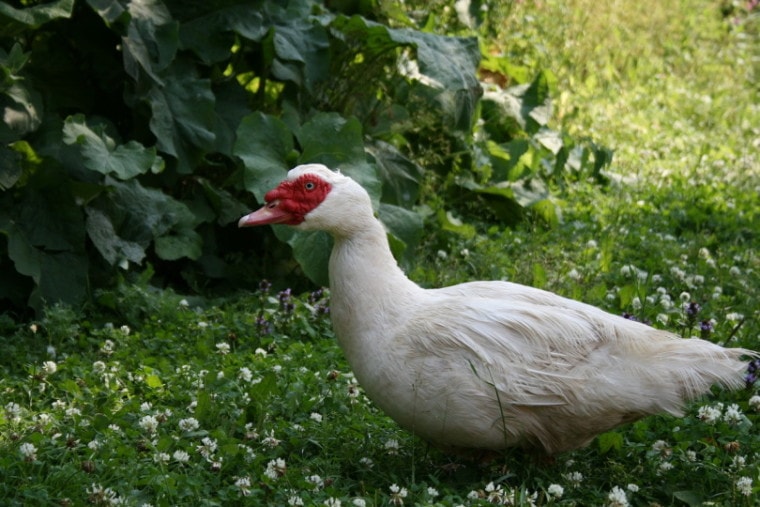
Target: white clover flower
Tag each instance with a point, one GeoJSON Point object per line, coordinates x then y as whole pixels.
{"type": "Point", "coordinates": [555, 491]}
{"type": "Point", "coordinates": [149, 423]}
{"type": "Point", "coordinates": [28, 451]}
{"type": "Point", "coordinates": [181, 456]}
{"type": "Point", "coordinates": [161, 457]}
{"type": "Point", "coordinates": [391, 446]}
{"type": "Point", "coordinates": [628, 270]}
{"type": "Point", "coordinates": [685, 297]}
{"type": "Point", "coordinates": [13, 411]}
{"type": "Point", "coordinates": [473, 495]}
{"type": "Point", "coordinates": [665, 466]}
{"type": "Point", "coordinates": [744, 485]}
{"type": "Point", "coordinates": [125, 330]}
{"type": "Point", "coordinates": [733, 414]}
{"type": "Point", "coordinates": [442, 254]}
{"type": "Point", "coordinates": [146, 406]}
{"type": "Point", "coordinates": [270, 441]}
{"type": "Point", "coordinates": [754, 402]}
{"type": "Point", "coordinates": [734, 316]}
{"type": "Point", "coordinates": [591, 244]}
{"type": "Point", "coordinates": [317, 417]}
{"type": "Point", "coordinates": [94, 444]}
{"type": "Point", "coordinates": [183, 303]}
{"type": "Point", "coordinates": [245, 374]}
{"type": "Point", "coordinates": [574, 478]}
{"type": "Point", "coordinates": [295, 501]}
{"type": "Point", "coordinates": [662, 318]}
{"type": "Point", "coordinates": [276, 468]}
{"type": "Point", "coordinates": [202, 324]}
{"type": "Point", "coordinates": [738, 462]}
{"type": "Point", "coordinates": [432, 492]}
{"type": "Point", "coordinates": [617, 498]}
{"type": "Point", "coordinates": [189, 424]}
{"type": "Point", "coordinates": [709, 415]}
{"type": "Point", "coordinates": [636, 303]}
{"type": "Point", "coordinates": [260, 352]}
{"type": "Point", "coordinates": [397, 494]}
{"type": "Point", "coordinates": [99, 367]}
{"type": "Point", "coordinates": [107, 347]}
{"type": "Point", "coordinates": [359, 502]}
{"type": "Point", "coordinates": [494, 493]}
{"type": "Point", "coordinates": [223, 348]}
{"type": "Point", "coordinates": [49, 367]}
{"type": "Point", "coordinates": [662, 447]}
{"type": "Point", "coordinates": [207, 448]}
{"type": "Point", "coordinates": [316, 481]}
{"type": "Point", "coordinates": [332, 502]}
{"type": "Point", "coordinates": [244, 485]}
{"type": "Point", "coordinates": [633, 488]}
{"type": "Point", "coordinates": [367, 462]}
{"type": "Point", "coordinates": [735, 271]}
{"type": "Point", "coordinates": [691, 456]}
{"type": "Point", "coordinates": [73, 412]}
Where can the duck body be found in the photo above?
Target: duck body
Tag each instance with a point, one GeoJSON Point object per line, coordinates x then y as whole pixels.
{"type": "Point", "coordinates": [487, 365]}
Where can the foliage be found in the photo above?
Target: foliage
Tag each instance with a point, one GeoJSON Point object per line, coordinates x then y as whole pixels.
{"type": "Point", "coordinates": [134, 132]}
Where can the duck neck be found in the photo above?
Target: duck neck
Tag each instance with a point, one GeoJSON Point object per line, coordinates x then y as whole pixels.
{"type": "Point", "coordinates": [369, 292]}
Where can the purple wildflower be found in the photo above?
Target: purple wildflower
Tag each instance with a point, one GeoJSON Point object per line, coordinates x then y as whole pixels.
{"type": "Point", "coordinates": [705, 328]}
{"type": "Point", "coordinates": [265, 285]}
{"type": "Point", "coordinates": [753, 370]}
{"type": "Point", "coordinates": [692, 309]}
{"type": "Point", "coordinates": [286, 302]}
{"type": "Point", "coordinates": [264, 326]}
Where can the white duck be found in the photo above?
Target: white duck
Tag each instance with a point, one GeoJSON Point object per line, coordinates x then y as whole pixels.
{"type": "Point", "coordinates": [486, 365]}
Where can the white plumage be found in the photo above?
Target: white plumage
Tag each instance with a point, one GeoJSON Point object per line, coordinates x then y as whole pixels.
{"type": "Point", "coordinates": [486, 365]}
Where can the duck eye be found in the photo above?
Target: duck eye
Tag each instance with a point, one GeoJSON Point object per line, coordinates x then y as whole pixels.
{"type": "Point", "coordinates": [309, 185]}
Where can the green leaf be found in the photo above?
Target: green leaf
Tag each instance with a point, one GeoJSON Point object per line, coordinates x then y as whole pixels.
{"type": "Point", "coordinates": [302, 53]}
{"type": "Point", "coordinates": [153, 381]}
{"type": "Point", "coordinates": [10, 167]}
{"type": "Point", "coordinates": [404, 224]}
{"type": "Point", "coordinates": [449, 222]}
{"type": "Point", "coordinates": [610, 441]}
{"type": "Point", "coordinates": [183, 118]}
{"type": "Point", "coordinates": [400, 176]}
{"type": "Point", "coordinates": [185, 243]}
{"type": "Point", "coordinates": [101, 154]}
{"type": "Point", "coordinates": [114, 249]}
{"type": "Point", "coordinates": [264, 144]}
{"type": "Point", "coordinates": [539, 276]}
{"type": "Point", "coordinates": [689, 497]}
{"type": "Point", "coordinates": [337, 142]}
{"type": "Point", "coordinates": [109, 10]}
{"type": "Point", "coordinates": [14, 20]}
{"type": "Point", "coordinates": [152, 40]}
{"type": "Point", "coordinates": [450, 64]}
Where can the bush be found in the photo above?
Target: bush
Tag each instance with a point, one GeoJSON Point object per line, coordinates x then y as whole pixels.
{"type": "Point", "coordinates": [134, 134]}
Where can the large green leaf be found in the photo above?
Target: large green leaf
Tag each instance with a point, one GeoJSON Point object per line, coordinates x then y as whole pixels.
{"type": "Point", "coordinates": [337, 142]}
{"type": "Point", "coordinates": [450, 65]}
{"type": "Point", "coordinates": [100, 153]}
{"type": "Point", "coordinates": [14, 20]}
{"type": "Point", "coordinates": [152, 40]}
{"type": "Point", "coordinates": [264, 144]}
{"type": "Point", "coordinates": [183, 115]}
{"type": "Point", "coordinates": [114, 249]}
{"type": "Point", "coordinates": [401, 177]}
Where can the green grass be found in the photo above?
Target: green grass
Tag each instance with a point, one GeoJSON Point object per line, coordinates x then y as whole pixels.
{"type": "Point", "coordinates": [188, 402]}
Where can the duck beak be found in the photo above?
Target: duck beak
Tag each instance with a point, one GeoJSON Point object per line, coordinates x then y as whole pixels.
{"type": "Point", "coordinates": [271, 213]}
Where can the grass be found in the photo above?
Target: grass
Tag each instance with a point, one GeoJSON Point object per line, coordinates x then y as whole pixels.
{"type": "Point", "coordinates": [249, 401]}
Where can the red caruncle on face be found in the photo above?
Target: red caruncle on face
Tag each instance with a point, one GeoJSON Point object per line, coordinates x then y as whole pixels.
{"type": "Point", "coordinates": [298, 197]}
